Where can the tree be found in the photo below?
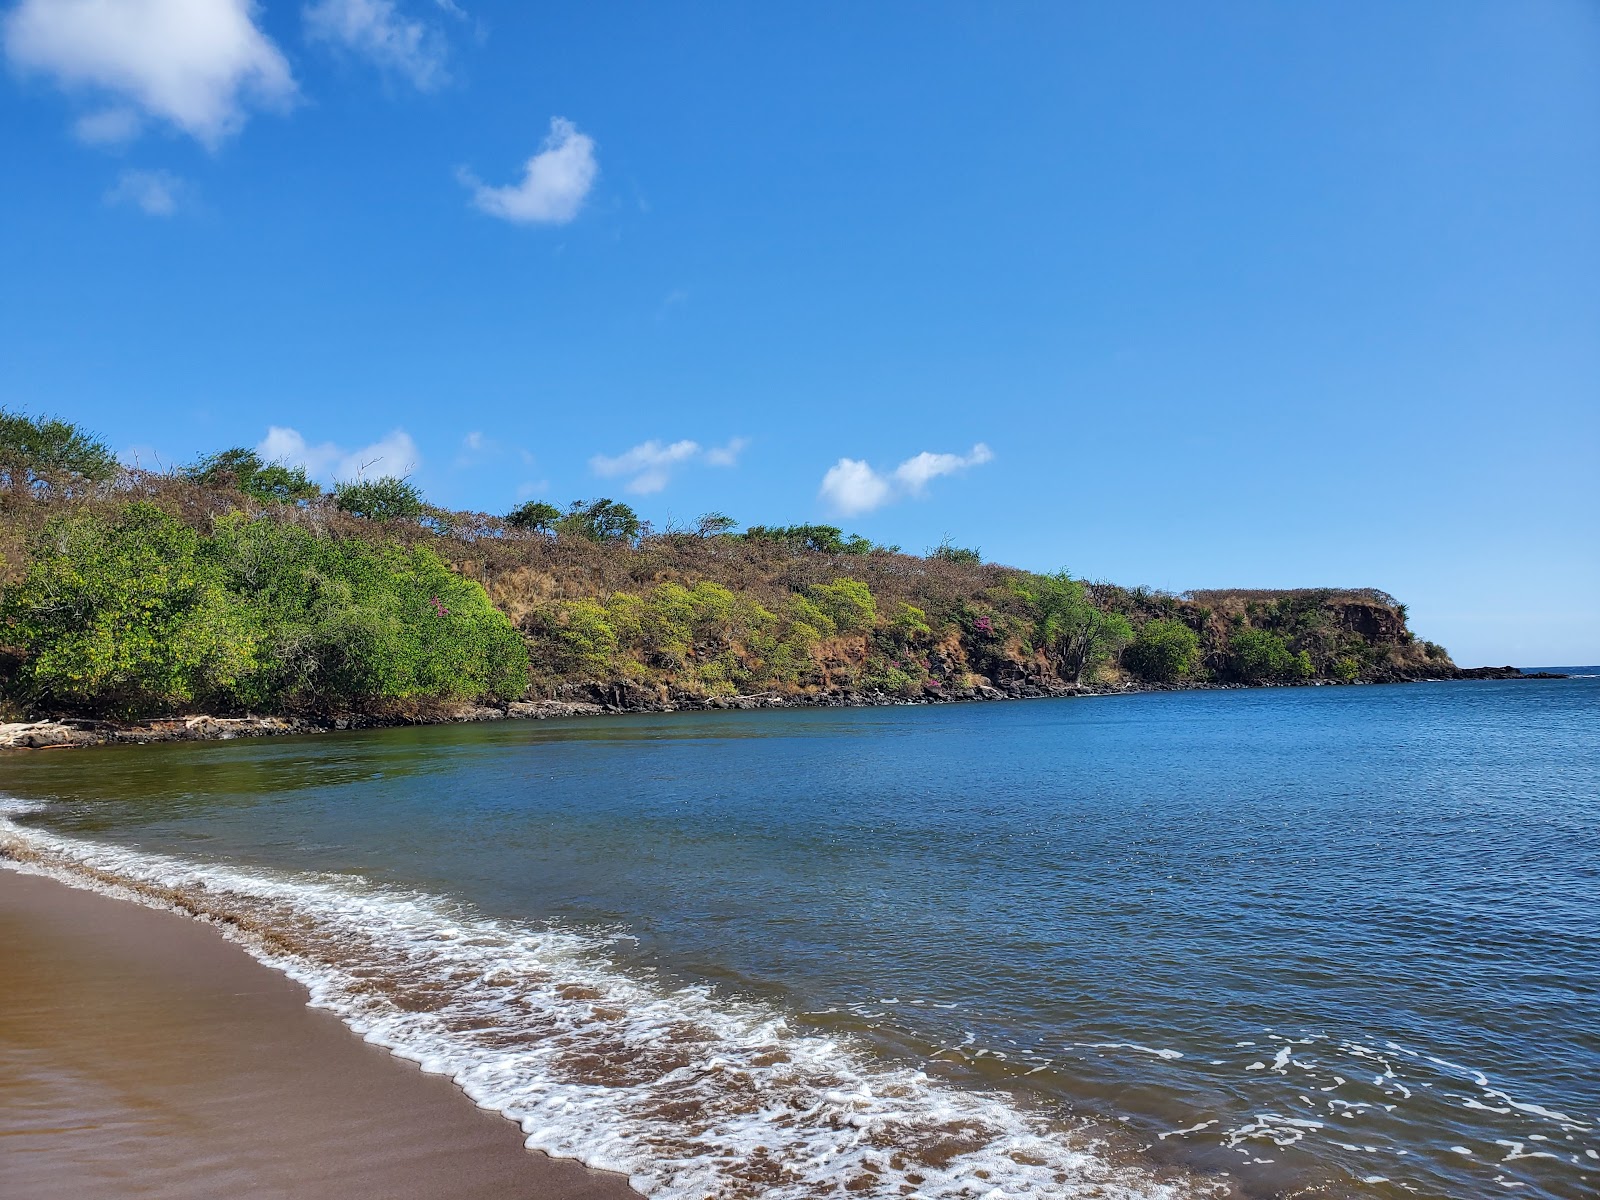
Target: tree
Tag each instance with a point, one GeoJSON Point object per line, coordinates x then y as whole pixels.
{"type": "Point", "coordinates": [602, 520]}
{"type": "Point", "coordinates": [848, 603]}
{"type": "Point", "coordinates": [535, 516]}
{"type": "Point", "coordinates": [946, 551]}
{"type": "Point", "coordinates": [125, 616]}
{"type": "Point", "coordinates": [1259, 656]}
{"type": "Point", "coordinates": [820, 539]}
{"type": "Point", "coordinates": [386, 499]}
{"type": "Point", "coordinates": [1067, 627]}
{"type": "Point", "coordinates": [713, 524]}
{"type": "Point", "coordinates": [42, 452]}
{"type": "Point", "coordinates": [243, 469]}
{"type": "Point", "coordinates": [1162, 651]}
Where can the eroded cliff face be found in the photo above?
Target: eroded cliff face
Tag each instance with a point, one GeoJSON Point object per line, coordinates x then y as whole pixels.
{"type": "Point", "coordinates": [1375, 624]}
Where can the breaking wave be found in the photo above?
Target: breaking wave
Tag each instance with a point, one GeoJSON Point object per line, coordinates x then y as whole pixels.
{"type": "Point", "coordinates": [692, 1095]}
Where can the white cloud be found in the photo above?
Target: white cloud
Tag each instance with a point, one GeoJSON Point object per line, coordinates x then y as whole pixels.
{"type": "Point", "coordinates": [852, 486]}
{"type": "Point", "coordinates": [377, 32]}
{"type": "Point", "coordinates": [652, 463]}
{"type": "Point", "coordinates": [196, 63]}
{"type": "Point", "coordinates": [394, 454]}
{"type": "Point", "coordinates": [108, 127]}
{"type": "Point", "coordinates": [157, 193]}
{"type": "Point", "coordinates": [474, 440]}
{"type": "Point", "coordinates": [727, 456]}
{"type": "Point", "coordinates": [554, 182]}
{"type": "Point", "coordinates": [915, 473]}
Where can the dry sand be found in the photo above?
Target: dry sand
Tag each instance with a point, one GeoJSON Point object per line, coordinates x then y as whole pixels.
{"type": "Point", "coordinates": [141, 1054]}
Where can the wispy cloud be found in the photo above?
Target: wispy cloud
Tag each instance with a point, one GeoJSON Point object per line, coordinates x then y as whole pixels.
{"type": "Point", "coordinates": [554, 181]}
{"type": "Point", "coordinates": [377, 31]}
{"type": "Point", "coordinates": [393, 454]}
{"type": "Point", "coordinates": [156, 193]}
{"type": "Point", "coordinates": [652, 464]}
{"type": "Point", "coordinates": [197, 64]}
{"type": "Point", "coordinates": [852, 486]}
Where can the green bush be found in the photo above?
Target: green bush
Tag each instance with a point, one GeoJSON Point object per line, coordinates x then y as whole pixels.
{"type": "Point", "coordinates": [820, 539]}
{"type": "Point", "coordinates": [125, 616]}
{"type": "Point", "coordinates": [600, 520]}
{"type": "Point", "coordinates": [1162, 651]}
{"type": "Point", "coordinates": [1068, 626]}
{"type": "Point", "coordinates": [388, 499]}
{"type": "Point", "coordinates": [137, 613]}
{"type": "Point", "coordinates": [1261, 656]}
{"type": "Point", "coordinates": [243, 469]}
{"type": "Point", "coordinates": [946, 551]}
{"type": "Point", "coordinates": [42, 452]}
{"type": "Point", "coordinates": [535, 515]}
{"type": "Point", "coordinates": [848, 603]}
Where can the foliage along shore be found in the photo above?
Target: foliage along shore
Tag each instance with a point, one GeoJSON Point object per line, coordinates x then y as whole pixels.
{"type": "Point", "coordinates": [237, 587]}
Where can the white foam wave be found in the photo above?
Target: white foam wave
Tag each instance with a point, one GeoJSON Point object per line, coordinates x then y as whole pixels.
{"type": "Point", "coordinates": [691, 1095]}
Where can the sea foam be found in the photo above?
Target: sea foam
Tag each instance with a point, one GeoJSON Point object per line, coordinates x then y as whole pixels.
{"type": "Point", "coordinates": [692, 1095]}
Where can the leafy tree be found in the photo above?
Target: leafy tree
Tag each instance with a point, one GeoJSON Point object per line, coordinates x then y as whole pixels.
{"type": "Point", "coordinates": [820, 539]}
{"type": "Point", "coordinates": [387, 499]}
{"type": "Point", "coordinates": [536, 515]}
{"type": "Point", "coordinates": [1163, 651]}
{"type": "Point", "coordinates": [1068, 627]}
{"type": "Point", "coordinates": [137, 613]}
{"type": "Point", "coordinates": [340, 620]}
{"type": "Point", "coordinates": [848, 603]}
{"type": "Point", "coordinates": [602, 520]}
{"type": "Point", "coordinates": [42, 452]}
{"type": "Point", "coordinates": [946, 551]}
{"type": "Point", "coordinates": [125, 616]}
{"type": "Point", "coordinates": [1260, 656]}
{"type": "Point", "coordinates": [243, 469]}
{"type": "Point", "coordinates": [713, 524]}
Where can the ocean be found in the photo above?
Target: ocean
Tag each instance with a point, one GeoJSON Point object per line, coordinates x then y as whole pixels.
{"type": "Point", "coordinates": [1330, 941]}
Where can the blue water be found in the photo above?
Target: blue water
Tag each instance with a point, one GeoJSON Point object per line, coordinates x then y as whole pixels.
{"type": "Point", "coordinates": [1336, 939]}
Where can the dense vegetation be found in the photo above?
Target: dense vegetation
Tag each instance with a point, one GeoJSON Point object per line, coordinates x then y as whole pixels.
{"type": "Point", "coordinates": [234, 584]}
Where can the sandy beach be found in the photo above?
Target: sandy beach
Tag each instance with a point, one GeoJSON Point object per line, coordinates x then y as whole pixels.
{"type": "Point", "coordinates": [141, 1054]}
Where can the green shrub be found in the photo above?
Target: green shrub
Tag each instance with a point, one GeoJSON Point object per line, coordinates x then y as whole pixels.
{"type": "Point", "coordinates": [820, 539]}
{"type": "Point", "coordinates": [1261, 656]}
{"type": "Point", "coordinates": [536, 516]}
{"type": "Point", "coordinates": [243, 469]}
{"type": "Point", "coordinates": [138, 613]}
{"type": "Point", "coordinates": [42, 452]}
{"type": "Point", "coordinates": [388, 499]}
{"type": "Point", "coordinates": [1162, 651]}
{"type": "Point", "coordinates": [600, 520]}
{"type": "Point", "coordinates": [341, 620]}
{"type": "Point", "coordinates": [946, 551]}
{"type": "Point", "coordinates": [1068, 626]}
{"type": "Point", "coordinates": [848, 603]}
{"type": "Point", "coordinates": [125, 616]}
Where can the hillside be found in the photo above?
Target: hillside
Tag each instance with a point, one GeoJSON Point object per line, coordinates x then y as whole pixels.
{"type": "Point", "coordinates": [234, 586]}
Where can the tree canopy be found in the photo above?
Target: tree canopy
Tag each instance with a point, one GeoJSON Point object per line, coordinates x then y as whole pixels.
{"type": "Point", "coordinates": [44, 452]}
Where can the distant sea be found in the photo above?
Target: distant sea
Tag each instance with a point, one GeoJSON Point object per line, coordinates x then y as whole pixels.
{"type": "Point", "coordinates": [1320, 941]}
{"type": "Point", "coordinates": [1589, 672]}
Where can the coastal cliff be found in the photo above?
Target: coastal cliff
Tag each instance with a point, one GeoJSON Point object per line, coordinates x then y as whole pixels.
{"type": "Point", "coordinates": [130, 600]}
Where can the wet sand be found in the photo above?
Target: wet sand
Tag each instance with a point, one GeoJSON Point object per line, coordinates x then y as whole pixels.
{"type": "Point", "coordinates": [141, 1054]}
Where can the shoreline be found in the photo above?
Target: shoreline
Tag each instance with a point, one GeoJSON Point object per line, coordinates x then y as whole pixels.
{"type": "Point", "coordinates": [143, 1054]}
{"type": "Point", "coordinates": [68, 732]}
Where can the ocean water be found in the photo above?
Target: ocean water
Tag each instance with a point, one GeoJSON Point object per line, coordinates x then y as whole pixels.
{"type": "Point", "coordinates": [1286, 942]}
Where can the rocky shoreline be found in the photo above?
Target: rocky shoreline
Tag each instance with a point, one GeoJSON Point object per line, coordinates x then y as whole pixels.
{"type": "Point", "coordinates": [576, 700]}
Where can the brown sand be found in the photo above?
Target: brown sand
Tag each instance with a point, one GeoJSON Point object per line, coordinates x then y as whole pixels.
{"type": "Point", "coordinates": [141, 1054]}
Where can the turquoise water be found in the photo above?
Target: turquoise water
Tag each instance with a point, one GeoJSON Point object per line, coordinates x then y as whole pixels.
{"type": "Point", "coordinates": [1324, 941]}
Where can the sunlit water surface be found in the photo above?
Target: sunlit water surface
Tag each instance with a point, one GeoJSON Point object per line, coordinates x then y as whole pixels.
{"type": "Point", "coordinates": [1291, 941]}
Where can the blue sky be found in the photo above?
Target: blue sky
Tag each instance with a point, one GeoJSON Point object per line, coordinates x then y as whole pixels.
{"type": "Point", "coordinates": [1173, 294]}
